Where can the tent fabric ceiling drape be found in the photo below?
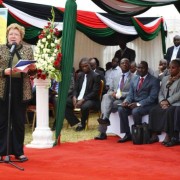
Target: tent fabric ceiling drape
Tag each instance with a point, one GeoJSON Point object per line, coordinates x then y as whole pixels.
{"type": "Point", "coordinates": [103, 28]}
{"type": "Point", "coordinates": [130, 7]}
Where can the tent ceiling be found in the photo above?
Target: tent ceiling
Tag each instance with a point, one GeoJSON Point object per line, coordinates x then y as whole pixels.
{"type": "Point", "coordinates": [132, 7]}
{"type": "Point", "coordinates": [103, 28]}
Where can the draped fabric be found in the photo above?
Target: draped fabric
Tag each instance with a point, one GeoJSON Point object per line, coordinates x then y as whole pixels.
{"type": "Point", "coordinates": [68, 41]}
{"type": "Point", "coordinates": [103, 28]}
{"type": "Point", "coordinates": [177, 5]}
{"type": "Point", "coordinates": [131, 7]}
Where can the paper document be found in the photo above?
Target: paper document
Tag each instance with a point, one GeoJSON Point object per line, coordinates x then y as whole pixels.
{"type": "Point", "coordinates": [22, 65]}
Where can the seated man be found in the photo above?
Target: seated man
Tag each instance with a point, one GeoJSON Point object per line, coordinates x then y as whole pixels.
{"type": "Point", "coordinates": [142, 97]}
{"type": "Point", "coordinates": [162, 69]}
{"type": "Point", "coordinates": [133, 67]}
{"type": "Point", "coordinates": [112, 73]}
{"type": "Point", "coordinates": [116, 94]}
{"type": "Point", "coordinates": [85, 95]}
{"type": "Point", "coordinates": [94, 67]}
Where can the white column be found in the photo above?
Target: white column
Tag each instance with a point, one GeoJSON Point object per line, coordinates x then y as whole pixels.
{"type": "Point", "coordinates": [42, 135]}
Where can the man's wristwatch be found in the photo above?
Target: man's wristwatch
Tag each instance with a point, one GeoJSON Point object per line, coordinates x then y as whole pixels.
{"type": "Point", "coordinates": [138, 104]}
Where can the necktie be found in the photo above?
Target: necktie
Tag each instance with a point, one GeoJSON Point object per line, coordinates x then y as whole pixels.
{"type": "Point", "coordinates": [81, 94]}
{"type": "Point", "coordinates": [140, 83]}
{"type": "Point", "coordinates": [122, 82]}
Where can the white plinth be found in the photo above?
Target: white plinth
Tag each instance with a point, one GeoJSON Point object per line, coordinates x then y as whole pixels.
{"type": "Point", "coordinates": [42, 135]}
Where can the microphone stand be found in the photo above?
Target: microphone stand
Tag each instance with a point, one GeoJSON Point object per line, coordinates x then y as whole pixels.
{"type": "Point", "coordinates": [7, 158]}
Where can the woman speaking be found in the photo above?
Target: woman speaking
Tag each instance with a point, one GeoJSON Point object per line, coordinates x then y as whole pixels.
{"type": "Point", "coordinates": [21, 93]}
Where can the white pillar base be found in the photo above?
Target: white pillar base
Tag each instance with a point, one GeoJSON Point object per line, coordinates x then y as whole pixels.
{"type": "Point", "coordinates": [42, 136]}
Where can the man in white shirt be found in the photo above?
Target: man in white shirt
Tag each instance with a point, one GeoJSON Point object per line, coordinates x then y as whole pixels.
{"type": "Point", "coordinates": [173, 52]}
{"type": "Point", "coordinates": [85, 95]}
{"type": "Point", "coordinates": [113, 72]}
{"type": "Point", "coordinates": [116, 94]}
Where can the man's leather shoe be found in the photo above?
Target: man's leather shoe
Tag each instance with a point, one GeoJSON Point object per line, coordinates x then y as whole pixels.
{"type": "Point", "coordinates": [153, 139]}
{"type": "Point", "coordinates": [80, 128]}
{"type": "Point", "coordinates": [104, 121]}
{"type": "Point", "coordinates": [173, 142]}
{"type": "Point", "coordinates": [125, 139]}
{"type": "Point", "coordinates": [101, 136]}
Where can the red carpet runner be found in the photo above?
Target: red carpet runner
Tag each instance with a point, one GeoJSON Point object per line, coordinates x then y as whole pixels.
{"type": "Point", "coordinates": [91, 160]}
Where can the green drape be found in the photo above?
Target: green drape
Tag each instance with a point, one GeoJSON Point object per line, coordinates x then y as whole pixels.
{"type": "Point", "coordinates": [149, 36]}
{"type": "Point", "coordinates": [68, 41]}
{"type": "Point", "coordinates": [30, 31]}
{"type": "Point", "coordinates": [103, 32]}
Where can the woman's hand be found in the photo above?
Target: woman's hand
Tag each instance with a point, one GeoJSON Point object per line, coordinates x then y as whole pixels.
{"type": "Point", "coordinates": [8, 71]}
{"type": "Point", "coordinates": [32, 67]}
{"type": "Point", "coordinates": [164, 104]}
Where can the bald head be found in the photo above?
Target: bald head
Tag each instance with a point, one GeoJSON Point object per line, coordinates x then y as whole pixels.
{"type": "Point", "coordinates": [176, 40]}
{"type": "Point", "coordinates": [93, 63]}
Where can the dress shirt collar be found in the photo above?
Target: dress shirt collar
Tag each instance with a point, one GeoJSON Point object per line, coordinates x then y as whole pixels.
{"type": "Point", "coordinates": [143, 77]}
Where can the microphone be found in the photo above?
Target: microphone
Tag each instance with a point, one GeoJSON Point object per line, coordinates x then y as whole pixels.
{"type": "Point", "coordinates": [13, 47]}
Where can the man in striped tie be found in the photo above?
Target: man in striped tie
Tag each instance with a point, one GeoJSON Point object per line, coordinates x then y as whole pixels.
{"type": "Point", "coordinates": [118, 91]}
{"type": "Point", "coordinates": [142, 97]}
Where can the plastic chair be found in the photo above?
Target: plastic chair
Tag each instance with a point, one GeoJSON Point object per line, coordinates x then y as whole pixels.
{"type": "Point", "coordinates": [32, 109]}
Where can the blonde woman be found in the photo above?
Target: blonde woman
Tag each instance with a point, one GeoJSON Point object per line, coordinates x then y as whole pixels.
{"type": "Point", "coordinates": [20, 92]}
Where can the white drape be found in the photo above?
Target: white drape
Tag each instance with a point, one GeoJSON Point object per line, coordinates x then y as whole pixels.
{"type": "Point", "coordinates": [150, 51]}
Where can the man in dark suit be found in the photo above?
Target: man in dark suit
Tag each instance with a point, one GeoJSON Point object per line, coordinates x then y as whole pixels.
{"type": "Point", "coordinates": [142, 97]}
{"type": "Point", "coordinates": [173, 52]}
{"type": "Point", "coordinates": [115, 95]}
{"type": "Point", "coordinates": [125, 52]}
{"type": "Point", "coordinates": [95, 68]}
{"type": "Point", "coordinates": [85, 95]}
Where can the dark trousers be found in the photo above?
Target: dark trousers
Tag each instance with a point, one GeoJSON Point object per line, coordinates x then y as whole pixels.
{"type": "Point", "coordinates": [177, 119]}
{"type": "Point", "coordinates": [137, 114]}
{"type": "Point", "coordinates": [169, 121]}
{"type": "Point", "coordinates": [86, 106]}
{"type": "Point", "coordinates": [18, 111]}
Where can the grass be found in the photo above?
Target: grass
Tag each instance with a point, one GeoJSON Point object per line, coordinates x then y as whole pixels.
{"type": "Point", "coordinates": [69, 134]}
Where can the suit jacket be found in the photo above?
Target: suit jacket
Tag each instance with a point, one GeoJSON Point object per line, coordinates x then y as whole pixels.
{"type": "Point", "coordinates": [101, 73]}
{"type": "Point", "coordinates": [148, 93]}
{"type": "Point", "coordinates": [170, 52]}
{"type": "Point", "coordinates": [92, 86]}
{"type": "Point", "coordinates": [115, 84]}
{"type": "Point", "coordinates": [174, 92]}
{"type": "Point", "coordinates": [129, 53]}
{"type": "Point", "coordinates": [160, 76]}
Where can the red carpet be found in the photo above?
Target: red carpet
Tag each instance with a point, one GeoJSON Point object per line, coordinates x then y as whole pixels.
{"type": "Point", "coordinates": [91, 160]}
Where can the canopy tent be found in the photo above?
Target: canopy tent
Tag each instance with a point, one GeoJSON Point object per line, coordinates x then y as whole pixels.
{"type": "Point", "coordinates": [103, 28]}
{"type": "Point", "coordinates": [132, 7]}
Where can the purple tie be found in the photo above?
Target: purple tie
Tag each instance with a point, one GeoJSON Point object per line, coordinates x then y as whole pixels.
{"type": "Point", "coordinates": [122, 82]}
